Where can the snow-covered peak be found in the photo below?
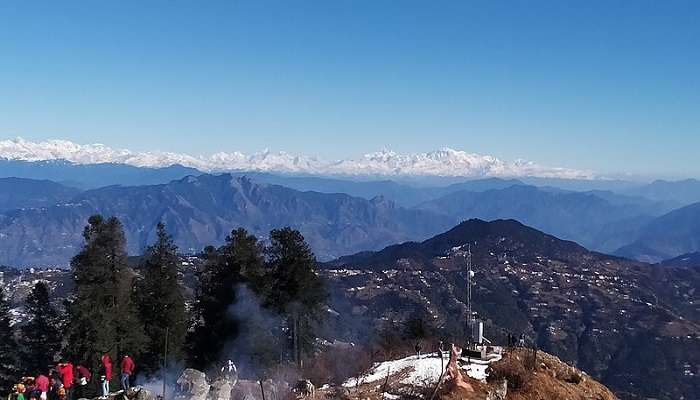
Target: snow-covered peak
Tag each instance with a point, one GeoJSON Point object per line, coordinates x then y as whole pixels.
{"type": "Point", "coordinates": [445, 162]}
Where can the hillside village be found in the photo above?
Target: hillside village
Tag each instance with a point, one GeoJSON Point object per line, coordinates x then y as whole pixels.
{"type": "Point", "coordinates": [565, 300]}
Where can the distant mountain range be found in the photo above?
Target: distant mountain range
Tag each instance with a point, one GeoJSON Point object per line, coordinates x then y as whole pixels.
{"type": "Point", "coordinates": [445, 162]}
{"type": "Point", "coordinates": [634, 326]}
{"type": "Point", "coordinates": [402, 194]}
{"type": "Point", "coordinates": [202, 210]}
{"type": "Point", "coordinates": [587, 218]}
{"type": "Point", "coordinates": [90, 176]}
{"type": "Point", "coordinates": [680, 192]}
{"type": "Point", "coordinates": [621, 220]}
{"type": "Point", "coordinates": [18, 193]}
{"type": "Point", "coordinates": [668, 236]}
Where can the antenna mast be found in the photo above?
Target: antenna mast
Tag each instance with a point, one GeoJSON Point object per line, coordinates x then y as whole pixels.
{"type": "Point", "coordinates": [470, 273]}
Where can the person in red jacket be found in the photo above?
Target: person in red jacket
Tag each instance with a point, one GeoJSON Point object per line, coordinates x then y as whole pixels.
{"type": "Point", "coordinates": [42, 384]}
{"type": "Point", "coordinates": [82, 378]}
{"type": "Point", "coordinates": [107, 374]}
{"type": "Point", "coordinates": [83, 375]}
{"type": "Point", "coordinates": [65, 370]}
{"type": "Point", "coordinates": [127, 368]}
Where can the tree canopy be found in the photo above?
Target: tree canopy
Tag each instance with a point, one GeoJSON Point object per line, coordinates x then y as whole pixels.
{"type": "Point", "coordinates": [103, 314]}
{"type": "Point", "coordinates": [161, 302]}
{"type": "Point", "coordinates": [9, 357]}
{"type": "Point", "coordinates": [41, 339]}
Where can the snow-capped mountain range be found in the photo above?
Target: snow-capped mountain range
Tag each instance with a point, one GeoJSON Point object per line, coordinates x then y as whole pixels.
{"type": "Point", "coordinates": [446, 162]}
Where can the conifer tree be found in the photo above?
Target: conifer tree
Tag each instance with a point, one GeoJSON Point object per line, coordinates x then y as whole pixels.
{"type": "Point", "coordinates": [296, 291]}
{"type": "Point", "coordinates": [162, 304]}
{"type": "Point", "coordinates": [103, 314]}
{"type": "Point", "coordinates": [9, 359]}
{"type": "Point", "coordinates": [224, 269]}
{"type": "Point", "coordinates": [41, 336]}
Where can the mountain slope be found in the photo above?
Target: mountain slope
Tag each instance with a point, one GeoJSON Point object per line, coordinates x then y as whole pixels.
{"type": "Point", "coordinates": [30, 193]}
{"type": "Point", "coordinates": [202, 210]}
{"type": "Point", "coordinates": [684, 260]}
{"type": "Point", "coordinates": [668, 236]}
{"type": "Point", "coordinates": [606, 315]}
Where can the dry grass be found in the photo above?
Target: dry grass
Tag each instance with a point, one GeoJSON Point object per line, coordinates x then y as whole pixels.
{"type": "Point", "coordinates": [513, 370]}
{"type": "Point", "coordinates": [546, 378]}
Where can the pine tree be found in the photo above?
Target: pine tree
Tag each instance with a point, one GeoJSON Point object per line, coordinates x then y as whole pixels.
{"type": "Point", "coordinates": [296, 291]}
{"type": "Point", "coordinates": [162, 304]}
{"type": "Point", "coordinates": [41, 336]}
{"type": "Point", "coordinates": [224, 269]}
{"type": "Point", "coordinates": [103, 314]}
{"type": "Point", "coordinates": [9, 359]}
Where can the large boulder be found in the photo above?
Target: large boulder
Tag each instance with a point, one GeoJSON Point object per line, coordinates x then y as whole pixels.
{"type": "Point", "coordinates": [193, 385]}
{"type": "Point", "coordinates": [221, 389]}
{"type": "Point", "coordinates": [250, 390]}
{"type": "Point", "coordinates": [139, 393]}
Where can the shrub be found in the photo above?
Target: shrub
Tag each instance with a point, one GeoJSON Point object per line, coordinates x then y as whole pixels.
{"type": "Point", "coordinates": [336, 364]}
{"type": "Point", "coordinates": [512, 370]}
{"type": "Point", "coordinates": [573, 377]}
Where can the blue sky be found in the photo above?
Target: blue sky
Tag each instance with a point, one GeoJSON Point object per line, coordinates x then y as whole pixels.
{"type": "Point", "coordinates": [612, 86]}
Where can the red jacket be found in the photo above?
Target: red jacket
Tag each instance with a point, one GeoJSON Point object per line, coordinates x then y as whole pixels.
{"type": "Point", "coordinates": [107, 365]}
{"type": "Point", "coordinates": [42, 383]}
{"type": "Point", "coordinates": [127, 365]}
{"type": "Point", "coordinates": [66, 372]}
{"type": "Point", "coordinates": [83, 372]}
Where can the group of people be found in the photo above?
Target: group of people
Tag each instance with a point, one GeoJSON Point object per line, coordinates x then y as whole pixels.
{"type": "Point", "coordinates": [66, 381]}
{"type": "Point", "coordinates": [514, 341]}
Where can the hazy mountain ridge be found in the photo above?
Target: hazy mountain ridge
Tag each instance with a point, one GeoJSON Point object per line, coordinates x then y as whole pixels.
{"type": "Point", "coordinates": [28, 193]}
{"type": "Point", "coordinates": [625, 224]}
{"type": "Point", "coordinates": [90, 176]}
{"type": "Point", "coordinates": [202, 210]}
{"type": "Point", "coordinates": [681, 192]}
{"type": "Point", "coordinates": [668, 236]}
{"type": "Point", "coordinates": [589, 218]}
{"type": "Point", "coordinates": [404, 194]}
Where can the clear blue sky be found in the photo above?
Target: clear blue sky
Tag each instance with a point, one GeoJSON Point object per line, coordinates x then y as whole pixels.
{"type": "Point", "coordinates": [612, 86]}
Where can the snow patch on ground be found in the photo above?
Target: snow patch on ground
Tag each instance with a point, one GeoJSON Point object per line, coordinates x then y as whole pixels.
{"type": "Point", "coordinates": [420, 370]}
